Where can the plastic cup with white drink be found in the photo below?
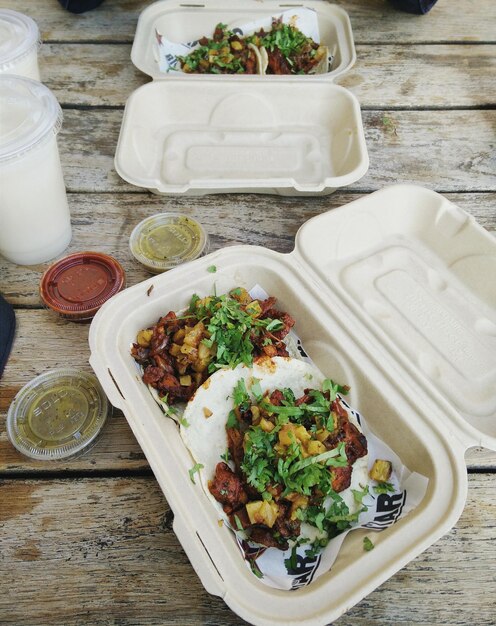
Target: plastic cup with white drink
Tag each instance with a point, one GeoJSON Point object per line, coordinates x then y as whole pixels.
{"type": "Point", "coordinates": [35, 223]}
{"type": "Point", "coordinates": [19, 44]}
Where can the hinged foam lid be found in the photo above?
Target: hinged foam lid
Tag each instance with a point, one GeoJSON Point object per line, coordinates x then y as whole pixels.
{"type": "Point", "coordinates": [183, 22]}
{"type": "Point", "coordinates": [419, 273]}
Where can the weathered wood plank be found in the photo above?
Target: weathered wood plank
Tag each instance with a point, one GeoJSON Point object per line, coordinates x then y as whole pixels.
{"type": "Point", "coordinates": [372, 20]}
{"type": "Point", "coordinates": [64, 344]}
{"type": "Point", "coordinates": [104, 222]}
{"type": "Point", "coordinates": [412, 76]}
{"type": "Point", "coordinates": [102, 551]}
{"type": "Point", "coordinates": [450, 151]}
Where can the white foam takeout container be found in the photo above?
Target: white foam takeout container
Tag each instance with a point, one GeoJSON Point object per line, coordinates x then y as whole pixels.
{"type": "Point", "coordinates": [392, 296]}
{"type": "Point", "coordinates": [199, 134]}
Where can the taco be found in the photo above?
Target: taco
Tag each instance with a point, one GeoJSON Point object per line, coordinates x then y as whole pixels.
{"type": "Point", "coordinates": [224, 53]}
{"type": "Point", "coordinates": [286, 50]}
{"type": "Point", "coordinates": [277, 452]}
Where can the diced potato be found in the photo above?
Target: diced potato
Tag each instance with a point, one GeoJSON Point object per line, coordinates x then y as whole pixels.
{"type": "Point", "coordinates": [322, 435]}
{"type": "Point", "coordinates": [315, 447]}
{"type": "Point", "coordinates": [287, 434]}
{"type": "Point", "coordinates": [204, 352]}
{"type": "Point", "coordinates": [241, 295]}
{"type": "Point", "coordinates": [178, 336]}
{"type": "Point", "coordinates": [191, 351]}
{"type": "Point", "coordinates": [144, 337]}
{"type": "Point", "coordinates": [381, 471]}
{"type": "Point", "coordinates": [207, 412]}
{"type": "Point", "coordinates": [255, 415]}
{"type": "Point", "coordinates": [262, 512]}
{"type": "Point", "coordinates": [195, 335]}
{"type": "Point", "coordinates": [175, 349]}
{"type": "Point", "coordinates": [236, 45]}
{"type": "Point", "coordinates": [185, 381]}
{"type": "Point", "coordinates": [298, 501]}
{"type": "Point", "coordinates": [302, 434]}
{"type": "Point", "coordinates": [266, 425]}
{"type": "Point", "coordinates": [253, 308]}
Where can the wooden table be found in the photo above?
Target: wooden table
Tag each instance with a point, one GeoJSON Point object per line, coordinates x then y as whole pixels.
{"type": "Point", "coordinates": [90, 541]}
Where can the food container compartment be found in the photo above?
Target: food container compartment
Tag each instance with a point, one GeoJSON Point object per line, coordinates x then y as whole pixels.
{"type": "Point", "coordinates": [431, 436]}
{"type": "Point", "coordinates": [183, 22]}
{"type": "Point", "coordinates": [258, 136]}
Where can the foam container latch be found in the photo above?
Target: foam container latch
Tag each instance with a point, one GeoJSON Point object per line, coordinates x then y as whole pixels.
{"type": "Point", "coordinates": [199, 134]}
{"type": "Point", "coordinates": [392, 295]}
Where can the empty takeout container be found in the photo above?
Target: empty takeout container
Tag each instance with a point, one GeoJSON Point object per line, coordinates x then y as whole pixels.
{"type": "Point", "coordinates": [390, 295]}
{"type": "Point", "coordinates": [199, 134]}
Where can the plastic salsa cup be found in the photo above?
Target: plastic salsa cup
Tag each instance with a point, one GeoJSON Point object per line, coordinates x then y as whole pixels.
{"type": "Point", "coordinates": [57, 415]}
{"type": "Point", "coordinates": [79, 284]}
{"type": "Point", "coordinates": [165, 240]}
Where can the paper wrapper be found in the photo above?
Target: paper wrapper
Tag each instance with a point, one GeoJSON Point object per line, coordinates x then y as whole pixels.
{"type": "Point", "coordinates": [287, 570]}
{"type": "Point", "coordinates": [167, 52]}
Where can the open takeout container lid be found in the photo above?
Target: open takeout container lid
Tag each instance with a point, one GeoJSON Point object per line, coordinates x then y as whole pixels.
{"type": "Point", "coordinates": [288, 135]}
{"type": "Point", "coordinates": [391, 296]}
{"type": "Point", "coordinates": [257, 136]}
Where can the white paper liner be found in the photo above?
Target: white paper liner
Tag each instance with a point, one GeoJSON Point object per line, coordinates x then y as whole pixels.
{"type": "Point", "coordinates": [274, 567]}
{"type": "Point", "coordinates": [306, 20]}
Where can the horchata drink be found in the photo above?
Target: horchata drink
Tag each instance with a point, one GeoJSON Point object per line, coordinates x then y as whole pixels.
{"type": "Point", "coordinates": [35, 224]}
{"type": "Point", "coordinates": [19, 43]}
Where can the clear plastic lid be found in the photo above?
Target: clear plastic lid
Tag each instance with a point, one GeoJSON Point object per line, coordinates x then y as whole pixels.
{"type": "Point", "coordinates": [162, 241]}
{"type": "Point", "coordinates": [30, 114]}
{"type": "Point", "coordinates": [57, 415]}
{"type": "Point", "coordinates": [77, 285]}
{"type": "Point", "coordinates": [19, 35]}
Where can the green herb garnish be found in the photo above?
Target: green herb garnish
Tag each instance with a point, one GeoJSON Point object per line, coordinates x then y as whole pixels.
{"type": "Point", "coordinates": [195, 469]}
{"type": "Point", "coordinates": [384, 488]}
{"type": "Point", "coordinates": [367, 544]}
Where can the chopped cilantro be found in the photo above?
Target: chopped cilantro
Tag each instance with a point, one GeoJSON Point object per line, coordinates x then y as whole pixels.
{"type": "Point", "coordinates": [232, 327]}
{"type": "Point", "coordinates": [196, 468]}
{"type": "Point", "coordinates": [239, 525]}
{"type": "Point", "coordinates": [184, 422]}
{"type": "Point", "coordinates": [232, 420]}
{"type": "Point", "coordinates": [275, 325]}
{"type": "Point", "coordinates": [226, 457]}
{"type": "Point", "coordinates": [292, 562]}
{"type": "Point", "coordinates": [256, 389]}
{"type": "Point", "coordinates": [333, 389]}
{"type": "Point", "coordinates": [211, 269]}
{"type": "Point", "coordinates": [384, 488]}
{"type": "Point", "coordinates": [367, 544]}
{"type": "Point", "coordinates": [360, 495]}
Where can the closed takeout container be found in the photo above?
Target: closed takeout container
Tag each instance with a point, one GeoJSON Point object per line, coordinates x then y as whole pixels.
{"type": "Point", "coordinates": [198, 134]}
{"type": "Point", "coordinates": [391, 296]}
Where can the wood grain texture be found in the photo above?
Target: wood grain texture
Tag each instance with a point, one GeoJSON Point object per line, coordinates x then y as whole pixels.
{"type": "Point", "coordinates": [104, 222]}
{"type": "Point", "coordinates": [102, 552]}
{"type": "Point", "coordinates": [373, 21]}
{"type": "Point", "coordinates": [383, 76]}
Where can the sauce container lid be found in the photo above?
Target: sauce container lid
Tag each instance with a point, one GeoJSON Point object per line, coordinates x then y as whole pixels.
{"type": "Point", "coordinates": [163, 241]}
{"type": "Point", "coordinates": [30, 115]}
{"type": "Point", "coordinates": [79, 284]}
{"type": "Point", "coordinates": [57, 415]}
{"type": "Point", "coordinates": [19, 34]}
